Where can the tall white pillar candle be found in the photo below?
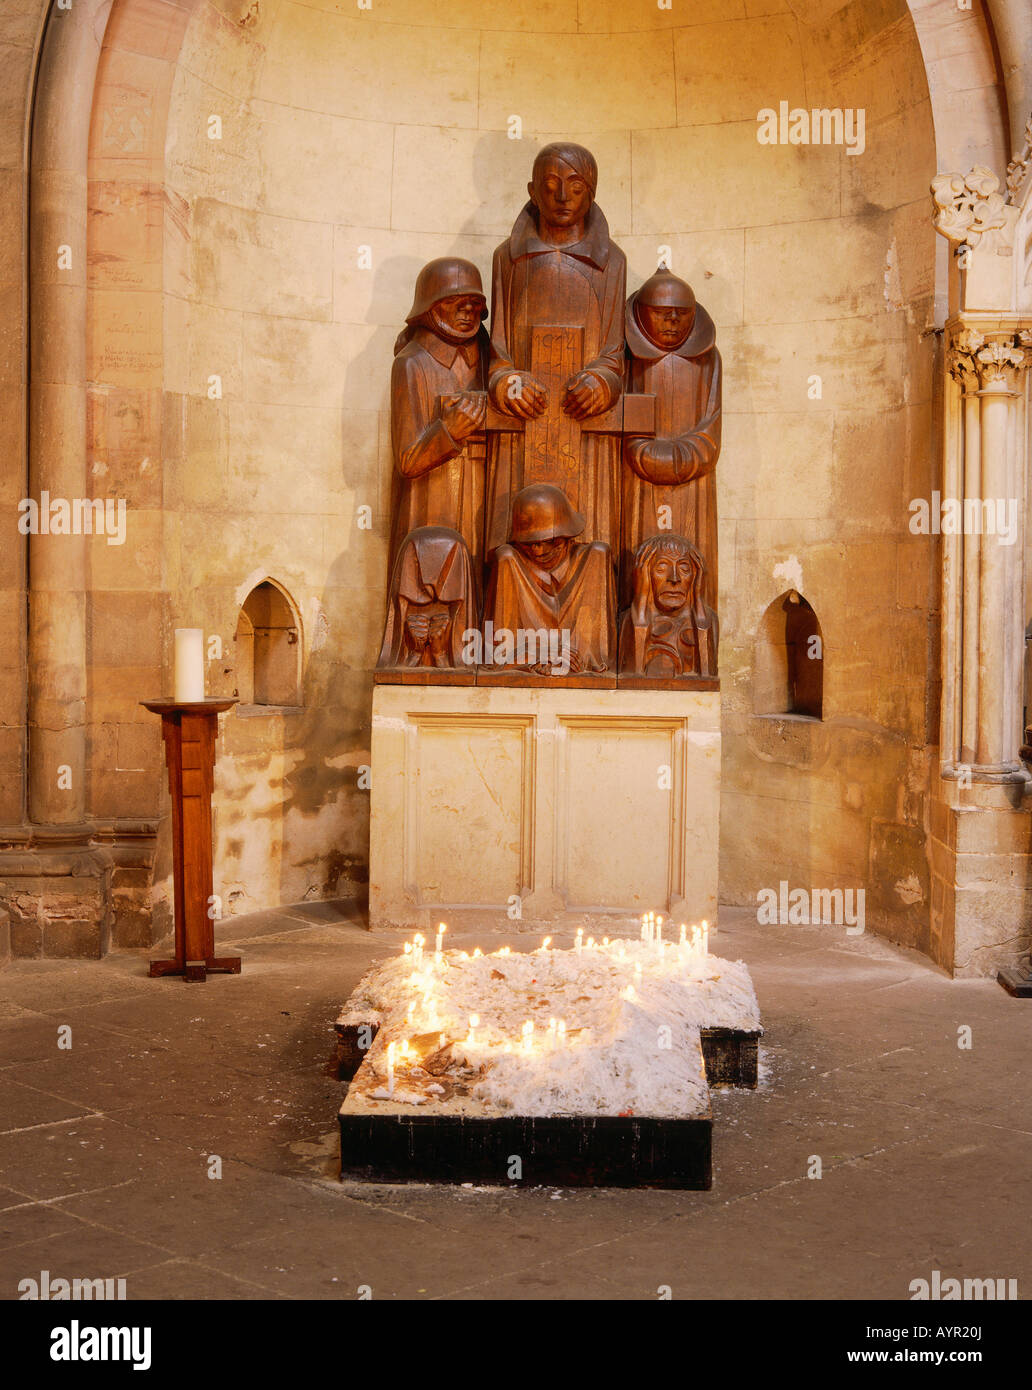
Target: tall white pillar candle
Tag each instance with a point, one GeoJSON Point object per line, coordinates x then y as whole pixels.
{"type": "Point", "coordinates": [189, 665]}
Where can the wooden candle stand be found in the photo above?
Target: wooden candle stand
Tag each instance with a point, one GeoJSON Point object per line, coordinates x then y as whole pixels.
{"type": "Point", "coordinates": [189, 731]}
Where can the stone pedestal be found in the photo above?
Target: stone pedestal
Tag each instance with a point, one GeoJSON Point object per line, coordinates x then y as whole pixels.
{"type": "Point", "coordinates": [55, 885]}
{"type": "Point", "coordinates": [535, 807]}
{"type": "Point", "coordinates": [980, 850]}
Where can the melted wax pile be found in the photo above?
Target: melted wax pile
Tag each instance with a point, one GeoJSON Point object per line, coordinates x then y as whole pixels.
{"type": "Point", "coordinates": [631, 1035]}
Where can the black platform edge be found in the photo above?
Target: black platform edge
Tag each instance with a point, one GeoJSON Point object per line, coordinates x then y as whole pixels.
{"type": "Point", "coordinates": [526, 1151]}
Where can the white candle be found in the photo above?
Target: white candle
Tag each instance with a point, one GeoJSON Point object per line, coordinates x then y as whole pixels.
{"type": "Point", "coordinates": [546, 943]}
{"type": "Point", "coordinates": [440, 938]}
{"type": "Point", "coordinates": [659, 929]}
{"type": "Point", "coordinates": [560, 1031]}
{"type": "Point", "coordinates": [705, 938]}
{"type": "Point", "coordinates": [189, 665]}
{"type": "Point", "coordinates": [528, 1035]}
{"type": "Point", "coordinates": [474, 1019]}
{"type": "Point", "coordinates": [578, 941]}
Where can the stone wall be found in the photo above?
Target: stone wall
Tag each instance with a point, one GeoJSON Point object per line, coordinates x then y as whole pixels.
{"type": "Point", "coordinates": [244, 296]}
{"type": "Point", "coordinates": [388, 130]}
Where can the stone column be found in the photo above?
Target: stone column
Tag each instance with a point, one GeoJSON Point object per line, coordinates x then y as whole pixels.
{"type": "Point", "coordinates": [984, 479]}
{"type": "Point", "coordinates": [980, 829]}
{"type": "Point", "coordinates": [57, 410]}
{"type": "Point", "coordinates": [56, 884]}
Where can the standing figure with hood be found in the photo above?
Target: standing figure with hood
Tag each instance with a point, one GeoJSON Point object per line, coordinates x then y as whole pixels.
{"type": "Point", "coordinates": [439, 448]}
{"type": "Point", "coordinates": [558, 286]}
{"type": "Point", "coordinates": [672, 355]}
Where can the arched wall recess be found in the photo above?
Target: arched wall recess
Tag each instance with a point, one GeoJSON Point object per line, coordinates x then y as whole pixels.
{"type": "Point", "coordinates": [788, 670]}
{"type": "Point", "coordinates": [268, 648]}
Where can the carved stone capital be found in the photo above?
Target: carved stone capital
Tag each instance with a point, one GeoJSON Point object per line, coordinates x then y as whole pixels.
{"type": "Point", "coordinates": [1000, 360]}
{"type": "Point", "coordinates": [960, 358]}
{"type": "Point", "coordinates": [978, 360]}
{"type": "Point", "coordinates": [970, 207]}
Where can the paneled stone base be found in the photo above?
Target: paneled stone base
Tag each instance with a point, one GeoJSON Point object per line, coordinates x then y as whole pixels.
{"type": "Point", "coordinates": [980, 849]}
{"type": "Point", "coordinates": [539, 806]}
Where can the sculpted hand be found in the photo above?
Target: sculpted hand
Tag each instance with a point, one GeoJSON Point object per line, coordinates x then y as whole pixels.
{"type": "Point", "coordinates": [465, 416]}
{"type": "Point", "coordinates": [656, 460]}
{"type": "Point", "coordinates": [522, 394]}
{"type": "Point", "coordinates": [418, 626]}
{"type": "Point", "coordinates": [585, 395]}
{"type": "Point", "coordinates": [438, 640]}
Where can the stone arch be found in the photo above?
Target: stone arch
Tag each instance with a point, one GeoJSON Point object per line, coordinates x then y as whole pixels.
{"type": "Point", "coordinates": [269, 647]}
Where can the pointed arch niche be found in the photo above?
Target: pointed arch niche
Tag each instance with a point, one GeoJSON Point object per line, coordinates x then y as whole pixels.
{"type": "Point", "coordinates": [788, 665]}
{"type": "Point", "coordinates": [268, 649]}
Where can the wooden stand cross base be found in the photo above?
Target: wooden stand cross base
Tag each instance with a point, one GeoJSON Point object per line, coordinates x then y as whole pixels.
{"type": "Point", "coordinates": [189, 732]}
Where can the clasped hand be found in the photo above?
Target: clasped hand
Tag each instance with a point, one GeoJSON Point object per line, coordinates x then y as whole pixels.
{"type": "Point", "coordinates": [465, 415]}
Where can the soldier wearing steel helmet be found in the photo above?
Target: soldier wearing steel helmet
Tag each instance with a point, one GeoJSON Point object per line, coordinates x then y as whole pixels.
{"type": "Point", "coordinates": [544, 578]}
{"type": "Point", "coordinates": [439, 446]}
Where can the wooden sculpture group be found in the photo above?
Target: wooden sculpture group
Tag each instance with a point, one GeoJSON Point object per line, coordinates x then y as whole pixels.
{"type": "Point", "coordinates": [555, 477]}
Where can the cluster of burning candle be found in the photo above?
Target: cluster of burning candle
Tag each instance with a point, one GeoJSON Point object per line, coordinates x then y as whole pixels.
{"type": "Point", "coordinates": [427, 969]}
{"type": "Point", "coordinates": [652, 932]}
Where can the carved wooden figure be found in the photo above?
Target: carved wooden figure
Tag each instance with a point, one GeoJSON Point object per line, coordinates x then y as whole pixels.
{"type": "Point", "coordinates": [672, 354]}
{"type": "Point", "coordinates": [432, 601]}
{"type": "Point", "coordinates": [545, 579]}
{"type": "Point", "coordinates": [438, 407]}
{"type": "Point", "coordinates": [556, 362]}
{"type": "Point", "coordinates": [669, 630]}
